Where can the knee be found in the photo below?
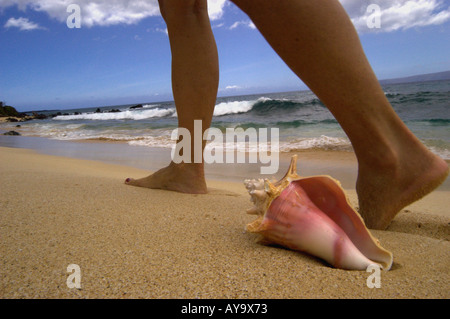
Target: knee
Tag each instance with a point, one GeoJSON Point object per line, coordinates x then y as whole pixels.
{"type": "Point", "coordinates": [176, 10]}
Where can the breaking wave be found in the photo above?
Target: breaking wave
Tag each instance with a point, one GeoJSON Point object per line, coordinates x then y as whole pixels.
{"type": "Point", "coordinates": [123, 115]}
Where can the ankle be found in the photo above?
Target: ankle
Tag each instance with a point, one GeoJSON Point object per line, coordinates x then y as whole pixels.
{"type": "Point", "coordinates": [196, 169]}
{"type": "Point", "coordinates": [192, 174]}
{"type": "Point", "coordinates": [381, 157]}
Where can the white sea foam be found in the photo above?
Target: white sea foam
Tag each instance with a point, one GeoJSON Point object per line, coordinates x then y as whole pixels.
{"type": "Point", "coordinates": [153, 111]}
{"type": "Point", "coordinates": [233, 107]}
{"type": "Point", "coordinates": [236, 107]}
{"type": "Point", "coordinates": [149, 106]}
{"type": "Point", "coordinates": [239, 146]}
{"type": "Point", "coordinates": [67, 134]}
{"type": "Point", "coordinates": [323, 142]}
{"type": "Point", "coordinates": [153, 141]}
{"type": "Point", "coordinates": [443, 153]}
{"type": "Point", "coordinates": [124, 115]}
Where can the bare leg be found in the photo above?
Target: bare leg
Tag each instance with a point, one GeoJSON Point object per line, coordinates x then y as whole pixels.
{"type": "Point", "coordinates": [319, 43]}
{"type": "Point", "coordinates": [195, 80]}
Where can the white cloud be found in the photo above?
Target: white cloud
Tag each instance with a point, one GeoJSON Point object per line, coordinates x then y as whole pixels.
{"type": "Point", "coordinates": [215, 8]}
{"type": "Point", "coordinates": [162, 30]}
{"type": "Point", "coordinates": [105, 12]}
{"type": "Point", "coordinates": [397, 14]}
{"type": "Point", "coordinates": [244, 23]}
{"type": "Point", "coordinates": [218, 25]}
{"type": "Point", "coordinates": [232, 87]}
{"type": "Point", "coordinates": [22, 23]}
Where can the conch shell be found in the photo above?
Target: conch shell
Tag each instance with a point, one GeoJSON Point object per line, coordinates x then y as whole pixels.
{"type": "Point", "coordinates": [313, 215]}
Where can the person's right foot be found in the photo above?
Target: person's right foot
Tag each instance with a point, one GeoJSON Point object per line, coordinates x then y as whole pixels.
{"type": "Point", "coordinates": [384, 191]}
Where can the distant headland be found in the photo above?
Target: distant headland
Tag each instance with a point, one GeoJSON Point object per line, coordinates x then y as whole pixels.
{"type": "Point", "coordinates": [439, 76]}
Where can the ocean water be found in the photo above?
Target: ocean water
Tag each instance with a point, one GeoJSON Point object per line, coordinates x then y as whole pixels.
{"type": "Point", "coordinates": [303, 121]}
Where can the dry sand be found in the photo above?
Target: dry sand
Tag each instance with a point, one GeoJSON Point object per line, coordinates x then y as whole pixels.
{"type": "Point", "coordinates": [132, 242]}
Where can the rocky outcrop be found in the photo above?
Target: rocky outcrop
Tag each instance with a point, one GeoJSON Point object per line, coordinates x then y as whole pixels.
{"type": "Point", "coordinates": [8, 111]}
{"type": "Point", "coordinates": [12, 133]}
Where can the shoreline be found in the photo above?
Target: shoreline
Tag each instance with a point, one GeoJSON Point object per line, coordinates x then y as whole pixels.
{"type": "Point", "coordinates": [132, 242]}
{"type": "Point", "coordinates": [341, 165]}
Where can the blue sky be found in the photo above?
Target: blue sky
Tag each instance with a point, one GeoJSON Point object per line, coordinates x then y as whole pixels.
{"type": "Point", "coordinates": [121, 53]}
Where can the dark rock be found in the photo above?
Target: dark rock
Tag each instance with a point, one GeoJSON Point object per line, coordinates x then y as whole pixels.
{"type": "Point", "coordinates": [12, 119]}
{"type": "Point", "coordinates": [98, 110]}
{"type": "Point", "coordinates": [138, 106]}
{"type": "Point", "coordinates": [11, 133]}
{"type": "Point", "coordinates": [38, 116]}
{"type": "Point", "coordinates": [114, 111]}
{"type": "Point", "coordinates": [18, 125]}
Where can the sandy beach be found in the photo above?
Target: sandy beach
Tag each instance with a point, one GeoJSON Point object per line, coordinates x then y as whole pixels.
{"type": "Point", "coordinates": [132, 242]}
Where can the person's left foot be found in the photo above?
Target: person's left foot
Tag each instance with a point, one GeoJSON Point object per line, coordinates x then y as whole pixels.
{"type": "Point", "coordinates": [183, 178]}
